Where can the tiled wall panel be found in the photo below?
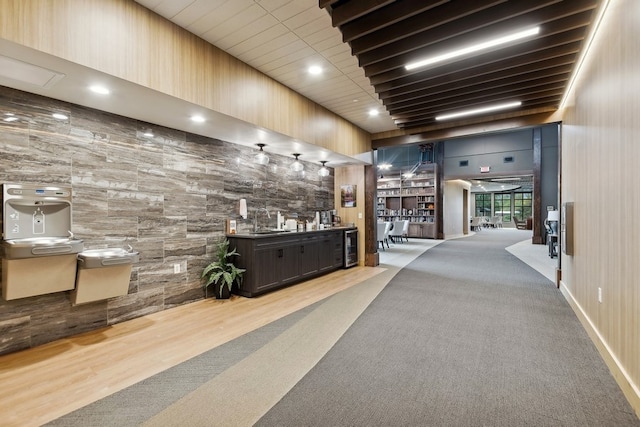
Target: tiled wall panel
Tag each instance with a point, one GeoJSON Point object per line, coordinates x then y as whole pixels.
{"type": "Point", "coordinates": [167, 196]}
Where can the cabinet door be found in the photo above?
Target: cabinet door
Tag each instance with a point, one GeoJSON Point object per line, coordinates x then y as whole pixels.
{"type": "Point", "coordinates": [429, 230]}
{"type": "Point", "coordinates": [308, 256]}
{"type": "Point", "coordinates": [415, 230]}
{"type": "Point", "coordinates": [269, 268]}
{"type": "Point", "coordinates": [326, 251]}
{"type": "Point", "coordinates": [289, 261]}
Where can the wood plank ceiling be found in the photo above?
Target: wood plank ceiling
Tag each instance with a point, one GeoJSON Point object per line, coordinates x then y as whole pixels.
{"type": "Point", "coordinates": [282, 38]}
{"type": "Point", "coordinates": [385, 35]}
{"type": "Point", "coordinates": [364, 55]}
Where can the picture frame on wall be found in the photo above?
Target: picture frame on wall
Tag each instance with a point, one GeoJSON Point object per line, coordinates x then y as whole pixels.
{"type": "Point", "coordinates": [348, 195]}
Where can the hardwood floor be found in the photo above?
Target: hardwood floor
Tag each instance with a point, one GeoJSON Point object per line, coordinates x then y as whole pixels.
{"type": "Point", "coordinates": [46, 382]}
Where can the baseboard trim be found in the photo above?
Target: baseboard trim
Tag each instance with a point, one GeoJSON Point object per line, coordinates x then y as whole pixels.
{"type": "Point", "coordinates": [629, 389]}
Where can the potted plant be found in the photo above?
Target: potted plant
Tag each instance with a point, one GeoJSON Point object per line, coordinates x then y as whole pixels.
{"type": "Point", "coordinates": [222, 273]}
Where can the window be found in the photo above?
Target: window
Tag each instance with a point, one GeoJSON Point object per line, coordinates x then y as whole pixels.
{"type": "Point", "coordinates": [522, 205]}
{"type": "Point", "coordinates": [483, 204]}
{"type": "Point", "coordinates": [502, 206]}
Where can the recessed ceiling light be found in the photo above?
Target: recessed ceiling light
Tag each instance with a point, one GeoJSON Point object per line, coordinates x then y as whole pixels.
{"type": "Point", "coordinates": [99, 89]}
{"type": "Point", "coordinates": [475, 111]}
{"type": "Point", "coordinates": [10, 118]}
{"type": "Point", "coordinates": [197, 119]}
{"type": "Point", "coordinates": [374, 112]}
{"type": "Point", "coordinates": [472, 49]}
{"type": "Point", "coordinates": [60, 116]}
{"type": "Point", "coordinates": [315, 70]}
{"type": "Point", "coordinates": [148, 133]}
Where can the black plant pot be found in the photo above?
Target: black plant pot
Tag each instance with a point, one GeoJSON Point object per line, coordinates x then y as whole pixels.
{"type": "Point", "coordinates": [222, 293]}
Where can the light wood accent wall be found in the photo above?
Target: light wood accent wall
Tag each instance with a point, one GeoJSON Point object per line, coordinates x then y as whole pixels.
{"type": "Point", "coordinates": [124, 39]}
{"type": "Point", "coordinates": [600, 175]}
{"type": "Point", "coordinates": [353, 175]}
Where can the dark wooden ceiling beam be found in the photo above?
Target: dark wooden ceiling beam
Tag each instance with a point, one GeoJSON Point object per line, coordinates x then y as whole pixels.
{"type": "Point", "coordinates": [548, 104]}
{"type": "Point", "coordinates": [349, 11]}
{"type": "Point", "coordinates": [479, 91]}
{"type": "Point", "coordinates": [434, 32]}
{"type": "Point", "coordinates": [466, 127]}
{"type": "Point", "coordinates": [461, 80]}
{"type": "Point", "coordinates": [486, 98]}
{"type": "Point", "coordinates": [440, 16]}
{"type": "Point", "coordinates": [323, 4]}
{"type": "Point", "coordinates": [539, 47]}
{"type": "Point", "coordinates": [397, 62]}
{"type": "Point", "coordinates": [457, 104]}
{"type": "Point", "coordinates": [386, 34]}
{"type": "Point", "coordinates": [386, 17]}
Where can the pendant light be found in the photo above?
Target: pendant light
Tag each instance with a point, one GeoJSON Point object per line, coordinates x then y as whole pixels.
{"type": "Point", "coordinates": [297, 165]}
{"type": "Point", "coordinates": [324, 171]}
{"type": "Point", "coordinates": [261, 158]}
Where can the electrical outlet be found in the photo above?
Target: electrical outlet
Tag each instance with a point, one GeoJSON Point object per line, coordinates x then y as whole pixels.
{"type": "Point", "coordinates": [176, 268]}
{"type": "Point", "coordinates": [600, 295]}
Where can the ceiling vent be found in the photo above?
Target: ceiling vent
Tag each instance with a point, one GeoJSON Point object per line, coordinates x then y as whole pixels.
{"type": "Point", "coordinates": [28, 73]}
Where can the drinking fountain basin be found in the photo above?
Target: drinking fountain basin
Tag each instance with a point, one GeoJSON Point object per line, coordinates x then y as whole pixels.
{"type": "Point", "coordinates": [40, 246]}
{"type": "Point", "coordinates": [94, 258]}
{"type": "Point", "coordinates": [103, 274]}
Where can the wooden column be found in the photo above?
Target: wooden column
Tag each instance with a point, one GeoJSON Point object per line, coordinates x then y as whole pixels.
{"type": "Point", "coordinates": [439, 159]}
{"type": "Point", "coordinates": [371, 258]}
{"type": "Point", "coordinates": [537, 188]}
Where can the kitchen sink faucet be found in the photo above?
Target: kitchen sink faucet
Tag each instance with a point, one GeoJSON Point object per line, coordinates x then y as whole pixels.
{"type": "Point", "coordinates": [255, 218]}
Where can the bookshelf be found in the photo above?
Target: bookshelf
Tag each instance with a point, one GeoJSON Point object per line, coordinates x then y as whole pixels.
{"type": "Point", "coordinates": [412, 198]}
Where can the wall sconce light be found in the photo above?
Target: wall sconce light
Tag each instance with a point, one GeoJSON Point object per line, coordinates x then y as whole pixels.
{"type": "Point", "coordinates": [324, 171]}
{"type": "Point", "coordinates": [261, 158]}
{"type": "Point", "coordinates": [297, 165]}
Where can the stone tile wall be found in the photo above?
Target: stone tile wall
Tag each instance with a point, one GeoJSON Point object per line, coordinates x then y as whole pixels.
{"type": "Point", "coordinates": [167, 196]}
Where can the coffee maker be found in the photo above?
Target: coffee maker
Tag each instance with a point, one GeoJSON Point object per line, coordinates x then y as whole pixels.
{"type": "Point", "coordinates": [335, 219]}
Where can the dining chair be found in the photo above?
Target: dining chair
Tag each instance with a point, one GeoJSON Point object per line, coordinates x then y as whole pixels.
{"type": "Point", "coordinates": [387, 230]}
{"type": "Point", "coordinates": [382, 226]}
{"type": "Point", "coordinates": [396, 232]}
{"type": "Point", "coordinates": [405, 230]}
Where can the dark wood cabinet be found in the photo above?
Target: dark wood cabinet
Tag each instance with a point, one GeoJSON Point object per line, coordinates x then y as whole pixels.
{"type": "Point", "coordinates": [330, 254]}
{"type": "Point", "coordinates": [276, 260]}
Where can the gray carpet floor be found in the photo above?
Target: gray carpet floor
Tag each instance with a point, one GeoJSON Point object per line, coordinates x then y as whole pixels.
{"type": "Point", "coordinates": [466, 335]}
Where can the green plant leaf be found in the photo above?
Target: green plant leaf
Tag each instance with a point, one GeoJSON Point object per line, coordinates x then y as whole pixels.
{"type": "Point", "coordinates": [221, 271]}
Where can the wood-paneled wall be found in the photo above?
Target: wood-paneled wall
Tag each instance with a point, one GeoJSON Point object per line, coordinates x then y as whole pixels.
{"type": "Point", "coordinates": [600, 175]}
{"type": "Point", "coordinates": [355, 176]}
{"type": "Point", "coordinates": [124, 39]}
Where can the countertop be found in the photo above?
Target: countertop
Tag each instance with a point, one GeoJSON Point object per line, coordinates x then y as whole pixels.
{"type": "Point", "coordinates": [277, 233]}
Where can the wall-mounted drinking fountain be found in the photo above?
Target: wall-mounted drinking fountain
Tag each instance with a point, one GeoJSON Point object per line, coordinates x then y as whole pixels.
{"type": "Point", "coordinates": [39, 251]}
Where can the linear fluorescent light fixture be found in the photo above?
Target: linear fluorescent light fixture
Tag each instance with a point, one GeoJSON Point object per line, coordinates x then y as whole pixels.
{"type": "Point", "coordinates": [473, 48]}
{"type": "Point", "coordinates": [482, 110]}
